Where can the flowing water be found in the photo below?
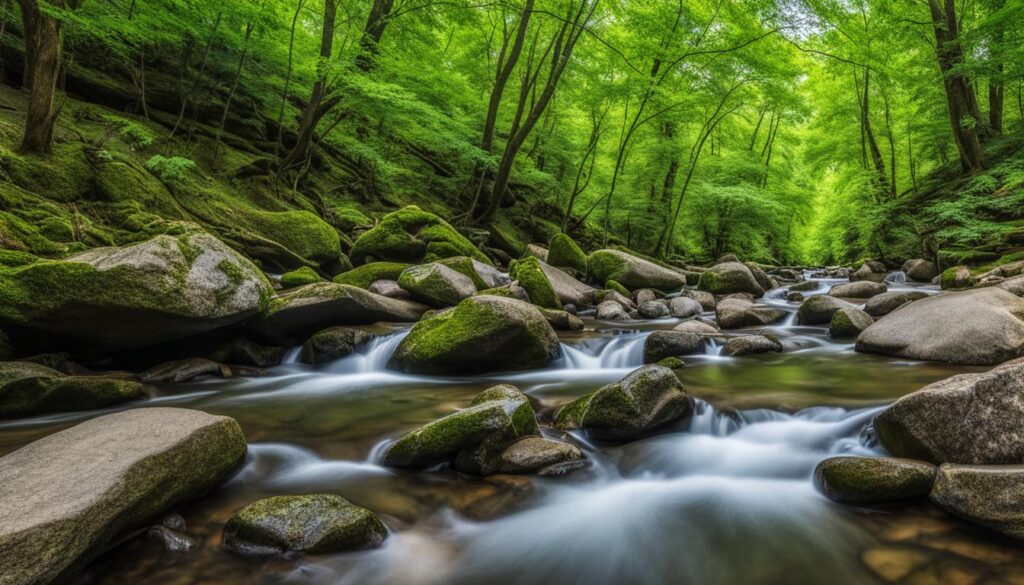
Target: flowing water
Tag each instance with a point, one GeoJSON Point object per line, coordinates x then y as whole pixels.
{"type": "Point", "coordinates": [724, 497]}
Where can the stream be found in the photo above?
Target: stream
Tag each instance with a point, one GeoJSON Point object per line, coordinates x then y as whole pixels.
{"type": "Point", "coordinates": [724, 497]}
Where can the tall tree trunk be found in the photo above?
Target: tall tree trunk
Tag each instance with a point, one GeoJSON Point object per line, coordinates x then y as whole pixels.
{"type": "Point", "coordinates": [876, 153]}
{"type": "Point", "coordinates": [249, 28]}
{"type": "Point", "coordinates": [288, 77]}
{"type": "Point", "coordinates": [891, 137]}
{"type": "Point", "coordinates": [42, 64]}
{"type": "Point", "coordinates": [185, 98]}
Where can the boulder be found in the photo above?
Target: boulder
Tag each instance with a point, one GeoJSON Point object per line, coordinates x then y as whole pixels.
{"type": "Point", "coordinates": [28, 389]}
{"type": "Point", "coordinates": [473, 437]}
{"type": "Point", "coordinates": [864, 289]}
{"type": "Point", "coordinates": [295, 316]}
{"type": "Point", "coordinates": [389, 288]}
{"type": "Point", "coordinates": [569, 290]}
{"type": "Point", "coordinates": [684, 307]}
{"type": "Point", "coordinates": [885, 303]}
{"type": "Point", "coordinates": [988, 495]}
{"type": "Point", "coordinates": [562, 320]}
{"type": "Point", "coordinates": [955, 277]}
{"type": "Point", "coordinates": [730, 257]}
{"type": "Point", "coordinates": [795, 297]}
{"type": "Point", "coordinates": [511, 290]}
{"type": "Point", "coordinates": [536, 251]}
{"type": "Point", "coordinates": [332, 344]}
{"type": "Point", "coordinates": [730, 277]}
{"type": "Point", "coordinates": [663, 344]}
{"type": "Point", "coordinates": [632, 272]}
{"type": "Point", "coordinates": [436, 285]}
{"type": "Point", "coordinates": [919, 270]}
{"type": "Point", "coordinates": [1013, 285]}
{"type": "Point", "coordinates": [482, 334]}
{"type": "Point", "coordinates": [315, 524]}
{"type": "Point", "coordinates": [644, 295]}
{"type": "Point", "coordinates": [68, 497]}
{"type": "Point", "coordinates": [982, 326]}
{"type": "Point", "coordinates": [491, 276]}
{"type": "Point", "coordinates": [763, 280]}
{"type": "Point", "coordinates": [109, 299]}
{"type": "Point", "coordinates": [870, 271]}
{"type": "Point", "coordinates": [733, 313]}
{"type": "Point", "coordinates": [184, 370]}
{"type": "Point", "coordinates": [611, 311]}
{"type": "Point", "coordinates": [467, 267]}
{"type": "Point", "coordinates": [653, 310]}
{"type": "Point", "coordinates": [871, 480]}
{"type": "Point", "coordinates": [695, 326]}
{"type": "Point", "coordinates": [818, 310]}
{"type": "Point", "coordinates": [631, 408]}
{"type": "Point", "coordinates": [970, 418]}
{"type": "Point", "coordinates": [672, 363]}
{"type": "Point", "coordinates": [299, 277]}
{"type": "Point", "coordinates": [529, 274]}
{"type": "Point", "coordinates": [564, 252]}
{"type": "Point", "coordinates": [750, 345]}
{"type": "Point", "coordinates": [540, 456]}
{"type": "Point", "coordinates": [805, 286]}
{"type": "Point", "coordinates": [247, 352]}
{"type": "Point", "coordinates": [414, 236]}
{"type": "Point", "coordinates": [848, 323]}
{"type": "Point", "coordinates": [706, 299]}
{"type": "Point", "coordinates": [364, 276]}
{"type": "Point", "coordinates": [610, 295]}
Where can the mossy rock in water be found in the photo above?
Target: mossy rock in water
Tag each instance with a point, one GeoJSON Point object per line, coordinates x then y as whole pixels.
{"type": "Point", "coordinates": [331, 344]}
{"type": "Point", "coordinates": [474, 436]}
{"type": "Point", "coordinates": [304, 275]}
{"type": "Point", "coordinates": [869, 480]}
{"type": "Point", "coordinates": [121, 298]}
{"type": "Point", "coordinates": [531, 277]}
{"type": "Point", "coordinates": [631, 408]}
{"type": "Point", "coordinates": [632, 272]}
{"type": "Point", "coordinates": [564, 252]}
{"type": "Point", "coordinates": [301, 232]}
{"type": "Point", "coordinates": [729, 278]}
{"type": "Point", "coordinates": [28, 389]}
{"type": "Point", "coordinates": [848, 323]}
{"type": "Point", "coordinates": [955, 277]}
{"type": "Point", "coordinates": [315, 524]}
{"type": "Point", "coordinates": [819, 309]}
{"type": "Point", "coordinates": [482, 334]}
{"type": "Point", "coordinates": [615, 286]}
{"type": "Point", "coordinates": [436, 285]}
{"type": "Point", "coordinates": [367, 274]}
{"type": "Point", "coordinates": [413, 235]}
{"type": "Point", "coordinates": [672, 363]}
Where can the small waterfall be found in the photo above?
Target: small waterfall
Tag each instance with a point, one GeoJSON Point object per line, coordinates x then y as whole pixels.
{"type": "Point", "coordinates": [292, 357]}
{"type": "Point", "coordinates": [616, 352]}
{"type": "Point", "coordinates": [896, 277]}
{"type": "Point", "coordinates": [371, 357]}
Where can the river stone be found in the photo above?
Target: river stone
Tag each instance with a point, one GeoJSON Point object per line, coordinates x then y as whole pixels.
{"type": "Point", "coordinates": [631, 408]}
{"type": "Point", "coordinates": [564, 252]}
{"type": "Point", "coordinates": [695, 326]}
{"type": "Point", "coordinates": [569, 290]}
{"type": "Point", "coordinates": [171, 540]}
{"type": "Point", "coordinates": [983, 326]}
{"type": "Point", "coordinates": [632, 272]}
{"type": "Point", "coordinates": [315, 524]}
{"type": "Point", "coordinates": [805, 286]}
{"type": "Point", "coordinates": [389, 288]}
{"type": "Point", "coordinates": [663, 344]}
{"type": "Point", "coordinates": [795, 297]}
{"type": "Point", "coordinates": [818, 310]}
{"type": "Point", "coordinates": [645, 295]}
{"type": "Point", "coordinates": [751, 344]}
{"type": "Point", "coordinates": [67, 497]}
{"type": "Point", "coordinates": [707, 300]}
{"type": "Point", "coordinates": [733, 313]}
{"type": "Point", "coordinates": [109, 299]}
{"type": "Point", "coordinates": [919, 270]}
{"type": "Point", "coordinates": [885, 303]}
{"type": "Point", "coordinates": [684, 307]}
{"type": "Point", "coordinates": [332, 344]}
{"type": "Point", "coordinates": [512, 290]}
{"type": "Point", "coordinates": [970, 418]}
{"type": "Point", "coordinates": [482, 334]}
{"type": "Point", "coordinates": [955, 277]}
{"type": "Point", "coordinates": [858, 290]}
{"type": "Point", "coordinates": [531, 276]}
{"type": "Point", "coordinates": [536, 251]}
{"type": "Point", "coordinates": [540, 456]}
{"type": "Point", "coordinates": [562, 320]}
{"type": "Point", "coordinates": [766, 282]}
{"type": "Point", "coordinates": [611, 311]}
{"type": "Point", "coordinates": [989, 495]}
{"type": "Point", "coordinates": [475, 436]}
{"type": "Point", "coordinates": [302, 312]}
{"type": "Point", "coordinates": [613, 295]}
{"type": "Point", "coordinates": [870, 480]}
{"type": "Point", "coordinates": [436, 285]}
{"type": "Point", "coordinates": [848, 323]}
{"type": "Point", "coordinates": [653, 310]}
{"type": "Point", "coordinates": [730, 277]}
{"type": "Point", "coordinates": [491, 276]}
{"type": "Point", "coordinates": [28, 389]}
{"type": "Point", "coordinates": [871, 271]}
{"type": "Point", "coordinates": [183, 370]}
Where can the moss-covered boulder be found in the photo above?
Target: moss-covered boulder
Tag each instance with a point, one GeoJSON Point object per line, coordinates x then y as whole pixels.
{"type": "Point", "coordinates": [70, 496]}
{"type": "Point", "coordinates": [315, 524]}
{"type": "Point", "coordinates": [848, 323]}
{"type": "Point", "coordinates": [531, 277]}
{"type": "Point", "coordinates": [367, 274]}
{"type": "Point", "coordinates": [332, 344]}
{"type": "Point", "coordinates": [632, 272]}
{"type": "Point", "coordinates": [184, 370]}
{"type": "Point", "coordinates": [482, 334]}
{"type": "Point", "coordinates": [633, 407]}
{"type": "Point", "coordinates": [413, 235]}
{"type": "Point", "coordinates": [302, 233]}
{"type": "Point", "coordinates": [121, 298]}
{"type": "Point", "coordinates": [751, 345]}
{"type": "Point", "coordinates": [728, 278]}
{"type": "Point", "coordinates": [870, 480]}
{"type": "Point", "coordinates": [663, 344]}
{"type": "Point", "coordinates": [540, 456]}
{"type": "Point", "coordinates": [617, 287]}
{"type": "Point", "coordinates": [987, 495]}
{"type": "Point", "coordinates": [919, 270]}
{"type": "Point", "coordinates": [955, 277]}
{"type": "Point", "coordinates": [467, 267]}
{"type": "Point", "coordinates": [473, 438]}
{"type": "Point", "coordinates": [564, 252]}
{"type": "Point", "coordinates": [296, 315]}
{"type": "Point", "coordinates": [28, 389]}
{"type": "Point", "coordinates": [299, 277]}
{"type": "Point", "coordinates": [436, 285]}
{"type": "Point", "coordinates": [818, 310]}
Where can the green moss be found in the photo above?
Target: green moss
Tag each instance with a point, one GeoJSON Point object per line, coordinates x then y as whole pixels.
{"type": "Point", "coordinates": [604, 266]}
{"type": "Point", "coordinates": [28, 389]}
{"type": "Point", "coordinates": [349, 218]}
{"type": "Point", "coordinates": [615, 286]}
{"type": "Point", "coordinates": [413, 235]}
{"type": "Point", "coordinates": [464, 265]}
{"type": "Point", "coordinates": [672, 363]}
{"type": "Point", "coordinates": [365, 275]}
{"type": "Point", "coordinates": [531, 277]}
{"type": "Point", "coordinates": [301, 232]}
{"type": "Point", "coordinates": [564, 252]}
{"type": "Point", "coordinates": [436, 285]}
{"type": "Point", "coordinates": [304, 275]}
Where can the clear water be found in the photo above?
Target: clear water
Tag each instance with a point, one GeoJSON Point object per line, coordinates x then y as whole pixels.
{"type": "Point", "coordinates": [724, 497]}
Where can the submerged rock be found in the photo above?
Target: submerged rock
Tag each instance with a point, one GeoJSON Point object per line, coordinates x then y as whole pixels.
{"type": "Point", "coordinates": [644, 400]}
{"type": "Point", "coordinates": [858, 290]}
{"type": "Point", "coordinates": [886, 303]}
{"type": "Point", "coordinates": [315, 524]}
{"type": "Point", "coordinates": [632, 272]}
{"type": "Point", "coordinates": [848, 323]}
{"type": "Point", "coordinates": [436, 285]}
{"type": "Point", "coordinates": [919, 270]}
{"type": "Point", "coordinates": [663, 344]}
{"type": "Point", "coordinates": [989, 495]}
{"type": "Point", "coordinates": [730, 277]}
{"type": "Point", "coordinates": [983, 326]}
{"type": "Point", "coordinates": [482, 334]}
{"type": "Point", "coordinates": [28, 389]}
{"type": "Point", "coordinates": [109, 299]}
{"type": "Point", "coordinates": [970, 418]}
{"type": "Point", "coordinates": [331, 344]}
{"type": "Point", "coordinates": [868, 480]}
{"type": "Point", "coordinates": [78, 491]}
{"type": "Point", "coordinates": [751, 344]}
{"type": "Point", "coordinates": [819, 309]}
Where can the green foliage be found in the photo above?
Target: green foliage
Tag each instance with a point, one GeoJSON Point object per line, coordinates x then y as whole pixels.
{"type": "Point", "coordinates": [170, 169]}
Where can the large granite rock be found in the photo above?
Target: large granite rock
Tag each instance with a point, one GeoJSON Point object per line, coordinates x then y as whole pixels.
{"type": "Point", "coordinates": [848, 323]}
{"type": "Point", "coordinates": [864, 289]}
{"type": "Point", "coordinates": [730, 277]}
{"type": "Point", "coordinates": [819, 309]}
{"type": "Point", "coordinates": [989, 495]}
{"type": "Point", "coordinates": [632, 272]}
{"type": "Point", "coordinates": [869, 480]}
{"type": "Point", "coordinates": [733, 313]}
{"type": "Point", "coordinates": [663, 344]}
{"type": "Point", "coordinates": [67, 497]}
{"type": "Point", "coordinates": [919, 270]}
{"type": "Point", "coordinates": [885, 303]}
{"type": "Point", "coordinates": [984, 326]}
{"type": "Point", "coordinates": [436, 285]}
{"type": "Point", "coordinates": [29, 389]}
{"type": "Point", "coordinates": [569, 290]}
